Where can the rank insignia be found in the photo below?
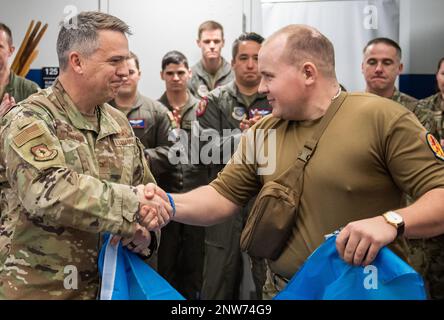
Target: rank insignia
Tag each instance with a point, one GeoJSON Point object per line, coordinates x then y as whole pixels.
{"type": "Point", "coordinates": [435, 146]}
{"type": "Point", "coordinates": [238, 113]}
{"type": "Point", "coordinates": [137, 123]}
{"type": "Point", "coordinates": [42, 153]}
{"type": "Point", "coordinates": [202, 107]}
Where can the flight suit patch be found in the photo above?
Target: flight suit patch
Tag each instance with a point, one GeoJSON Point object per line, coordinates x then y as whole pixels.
{"type": "Point", "coordinates": [202, 107]}
{"type": "Point", "coordinates": [238, 113]}
{"type": "Point", "coordinates": [41, 152]}
{"type": "Point", "coordinates": [259, 111]}
{"type": "Point", "coordinates": [137, 123]}
{"type": "Point", "coordinates": [435, 146]}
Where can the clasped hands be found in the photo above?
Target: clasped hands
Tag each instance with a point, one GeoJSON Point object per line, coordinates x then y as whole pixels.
{"type": "Point", "coordinates": [154, 213]}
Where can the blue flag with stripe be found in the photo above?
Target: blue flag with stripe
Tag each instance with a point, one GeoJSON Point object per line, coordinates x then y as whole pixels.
{"type": "Point", "coordinates": [325, 276]}
{"type": "Point", "coordinates": [125, 276]}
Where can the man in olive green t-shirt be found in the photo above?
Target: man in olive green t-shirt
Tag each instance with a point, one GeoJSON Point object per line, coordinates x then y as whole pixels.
{"type": "Point", "coordinates": [372, 151]}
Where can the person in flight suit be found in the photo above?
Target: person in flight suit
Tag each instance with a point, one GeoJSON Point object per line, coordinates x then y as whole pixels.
{"type": "Point", "coordinates": [235, 106]}
{"type": "Point", "coordinates": [212, 70]}
{"type": "Point", "coordinates": [181, 251]}
{"type": "Point", "coordinates": [151, 121]}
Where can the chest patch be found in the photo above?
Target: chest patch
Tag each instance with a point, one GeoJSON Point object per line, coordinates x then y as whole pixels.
{"type": "Point", "coordinates": [238, 113]}
{"type": "Point", "coordinates": [259, 111]}
{"type": "Point", "coordinates": [137, 123]}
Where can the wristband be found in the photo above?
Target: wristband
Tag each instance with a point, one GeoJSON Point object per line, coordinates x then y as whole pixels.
{"type": "Point", "coordinates": [173, 205]}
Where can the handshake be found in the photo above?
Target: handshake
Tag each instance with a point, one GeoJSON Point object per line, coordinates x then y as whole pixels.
{"type": "Point", "coordinates": [155, 211]}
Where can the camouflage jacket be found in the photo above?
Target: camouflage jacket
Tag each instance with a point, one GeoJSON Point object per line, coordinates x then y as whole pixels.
{"type": "Point", "coordinates": [224, 108]}
{"type": "Point", "coordinates": [435, 104]}
{"type": "Point", "coordinates": [187, 173]}
{"type": "Point", "coordinates": [424, 115]}
{"type": "Point", "coordinates": [152, 123]}
{"type": "Point", "coordinates": [68, 183]}
{"type": "Point", "coordinates": [201, 82]}
{"type": "Point", "coordinates": [19, 87]}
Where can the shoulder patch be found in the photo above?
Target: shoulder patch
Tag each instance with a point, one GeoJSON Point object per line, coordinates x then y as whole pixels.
{"type": "Point", "coordinates": [435, 146]}
{"type": "Point", "coordinates": [41, 152]}
{"type": "Point", "coordinates": [202, 107]}
{"type": "Point", "coordinates": [28, 134]}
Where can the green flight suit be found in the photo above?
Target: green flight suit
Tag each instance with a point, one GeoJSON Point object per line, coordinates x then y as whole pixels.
{"type": "Point", "coordinates": [181, 252]}
{"type": "Point", "coordinates": [224, 108]}
{"type": "Point", "coordinates": [201, 82]}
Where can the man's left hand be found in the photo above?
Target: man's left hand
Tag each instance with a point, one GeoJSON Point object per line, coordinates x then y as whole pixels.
{"type": "Point", "coordinates": [360, 241]}
{"type": "Point", "coordinates": [138, 243]}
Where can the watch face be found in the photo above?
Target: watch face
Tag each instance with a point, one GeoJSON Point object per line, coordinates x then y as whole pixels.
{"type": "Point", "coordinates": [394, 217]}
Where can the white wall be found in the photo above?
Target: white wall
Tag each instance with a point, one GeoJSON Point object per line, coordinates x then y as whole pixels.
{"type": "Point", "coordinates": [421, 32]}
{"type": "Point", "coordinates": [164, 25]}
{"type": "Point", "coordinates": [422, 35]}
{"type": "Point", "coordinates": [18, 14]}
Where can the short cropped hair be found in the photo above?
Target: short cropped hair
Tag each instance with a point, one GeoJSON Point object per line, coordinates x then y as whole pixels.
{"type": "Point", "coordinates": [386, 41]}
{"type": "Point", "coordinates": [439, 64]}
{"type": "Point", "coordinates": [247, 36]}
{"type": "Point", "coordinates": [136, 59]}
{"type": "Point", "coordinates": [175, 57]}
{"type": "Point", "coordinates": [209, 26]}
{"type": "Point", "coordinates": [81, 33]}
{"type": "Point", "coordinates": [8, 32]}
{"type": "Point", "coordinates": [304, 43]}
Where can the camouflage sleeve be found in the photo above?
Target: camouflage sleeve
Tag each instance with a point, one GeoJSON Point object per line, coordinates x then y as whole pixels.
{"type": "Point", "coordinates": [158, 154]}
{"type": "Point", "coordinates": [427, 118]}
{"type": "Point", "coordinates": [50, 191]}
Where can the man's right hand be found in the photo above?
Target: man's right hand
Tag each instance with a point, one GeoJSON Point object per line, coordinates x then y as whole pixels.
{"type": "Point", "coordinates": [7, 103]}
{"type": "Point", "coordinates": [155, 209]}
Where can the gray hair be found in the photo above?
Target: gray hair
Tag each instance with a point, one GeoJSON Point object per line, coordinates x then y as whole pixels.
{"type": "Point", "coordinates": [80, 33]}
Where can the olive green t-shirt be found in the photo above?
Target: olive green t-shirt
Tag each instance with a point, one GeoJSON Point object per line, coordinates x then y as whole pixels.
{"type": "Point", "coordinates": [372, 151]}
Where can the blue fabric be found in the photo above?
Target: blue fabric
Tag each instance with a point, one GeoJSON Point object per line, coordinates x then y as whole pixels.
{"type": "Point", "coordinates": [133, 278]}
{"type": "Point", "coordinates": [325, 276]}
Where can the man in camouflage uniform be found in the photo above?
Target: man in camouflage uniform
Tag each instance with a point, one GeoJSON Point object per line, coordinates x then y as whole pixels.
{"type": "Point", "coordinates": [13, 88]}
{"type": "Point", "coordinates": [235, 106]}
{"type": "Point", "coordinates": [434, 247]}
{"type": "Point", "coordinates": [212, 70]}
{"type": "Point", "coordinates": [381, 66]}
{"type": "Point", "coordinates": [73, 167]}
{"type": "Point", "coordinates": [181, 252]}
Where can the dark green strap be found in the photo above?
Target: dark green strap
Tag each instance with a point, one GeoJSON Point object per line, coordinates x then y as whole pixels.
{"type": "Point", "coordinates": [293, 173]}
